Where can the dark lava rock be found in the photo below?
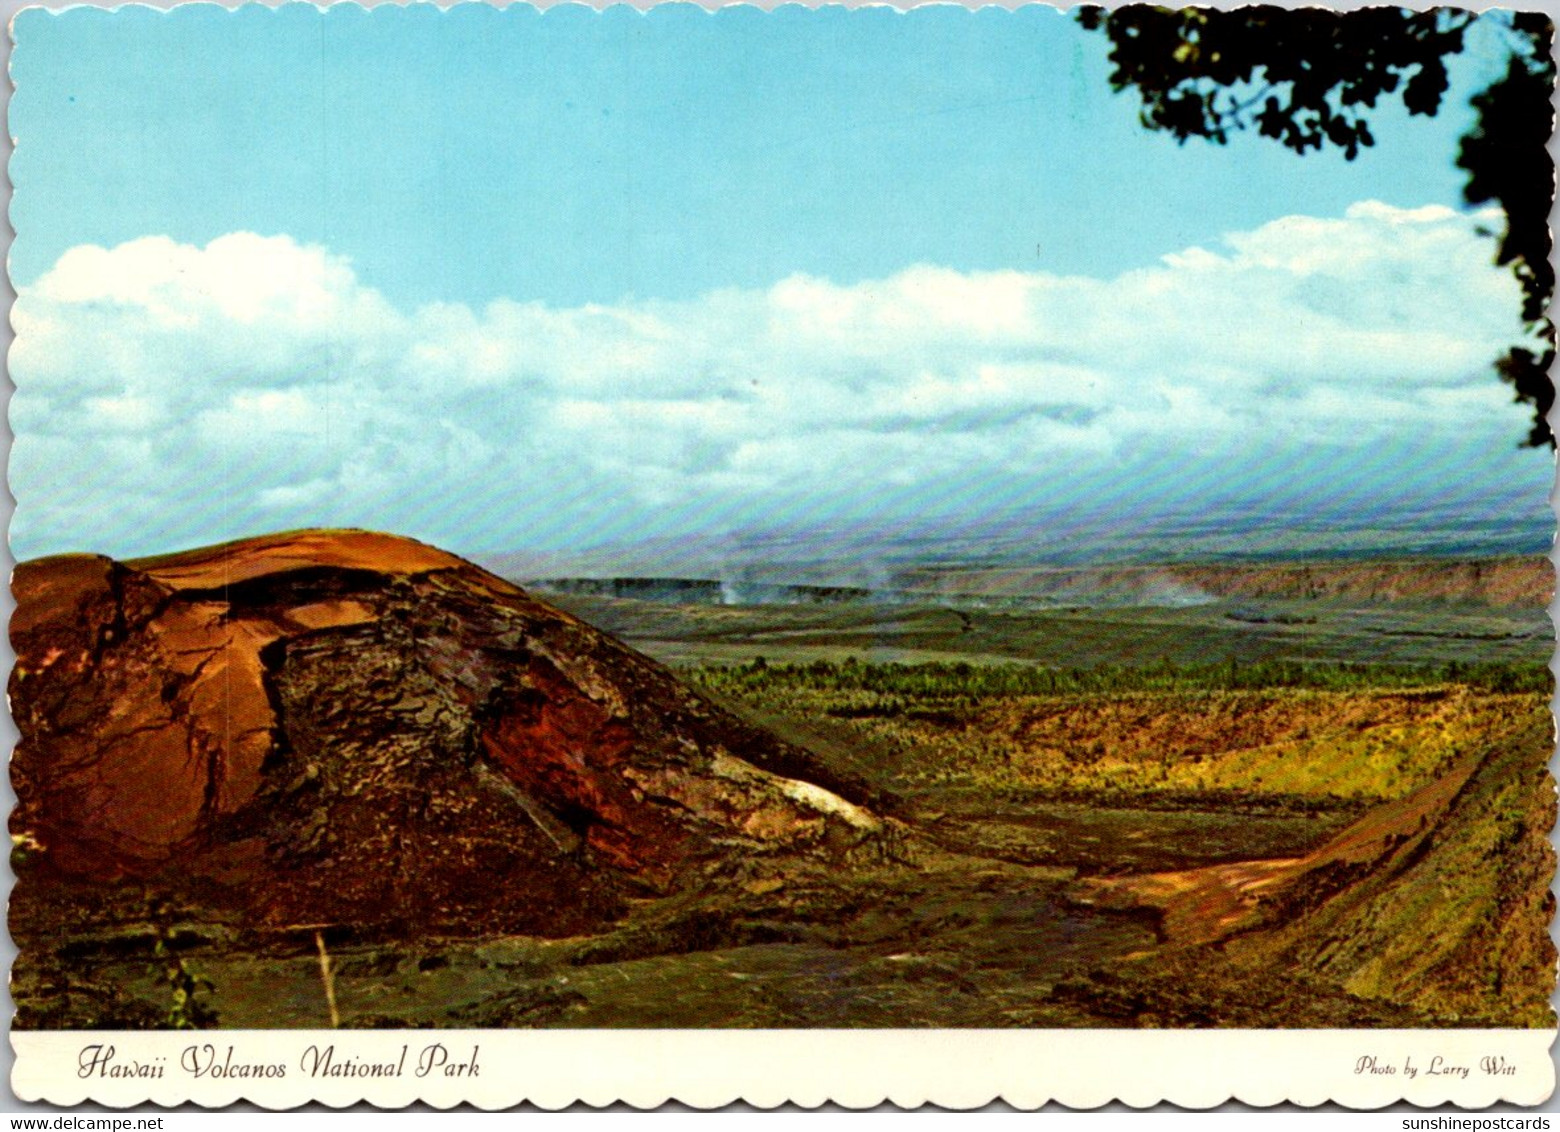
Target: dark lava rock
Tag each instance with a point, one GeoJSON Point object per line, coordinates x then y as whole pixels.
{"type": "Point", "coordinates": [352, 729]}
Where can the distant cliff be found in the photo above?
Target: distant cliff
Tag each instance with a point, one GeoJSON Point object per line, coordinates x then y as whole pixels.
{"type": "Point", "coordinates": [1516, 581]}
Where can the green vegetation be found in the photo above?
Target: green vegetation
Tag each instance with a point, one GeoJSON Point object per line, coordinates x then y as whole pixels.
{"type": "Point", "coordinates": [960, 679]}
{"type": "Point", "coordinates": [187, 1008]}
{"type": "Point", "coordinates": [1272, 733]}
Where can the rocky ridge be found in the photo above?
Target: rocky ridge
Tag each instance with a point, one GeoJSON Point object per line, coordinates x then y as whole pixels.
{"type": "Point", "coordinates": [1437, 901]}
{"type": "Point", "coordinates": [345, 727]}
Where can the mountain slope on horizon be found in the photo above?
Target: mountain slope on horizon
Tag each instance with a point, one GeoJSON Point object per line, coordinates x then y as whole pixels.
{"type": "Point", "coordinates": [873, 556]}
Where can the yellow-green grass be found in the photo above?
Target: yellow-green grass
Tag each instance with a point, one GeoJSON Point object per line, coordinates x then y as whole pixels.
{"type": "Point", "coordinates": [1301, 743]}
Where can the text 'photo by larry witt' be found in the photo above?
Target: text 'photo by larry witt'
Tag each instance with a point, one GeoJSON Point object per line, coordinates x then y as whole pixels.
{"type": "Point", "coordinates": [842, 627]}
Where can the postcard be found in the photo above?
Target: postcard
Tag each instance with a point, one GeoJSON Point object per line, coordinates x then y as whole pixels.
{"type": "Point", "coordinates": [814, 554]}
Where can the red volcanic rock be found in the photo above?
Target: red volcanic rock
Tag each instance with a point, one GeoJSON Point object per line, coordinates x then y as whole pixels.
{"type": "Point", "coordinates": [348, 727]}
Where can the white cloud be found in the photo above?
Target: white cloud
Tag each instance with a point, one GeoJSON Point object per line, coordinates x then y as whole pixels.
{"type": "Point", "coordinates": [261, 381]}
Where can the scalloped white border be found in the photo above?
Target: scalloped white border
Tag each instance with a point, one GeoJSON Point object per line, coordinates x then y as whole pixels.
{"type": "Point", "coordinates": [958, 1069]}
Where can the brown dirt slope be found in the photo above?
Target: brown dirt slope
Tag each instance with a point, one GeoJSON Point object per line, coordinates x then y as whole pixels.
{"type": "Point", "coordinates": [1438, 900]}
{"type": "Point", "coordinates": [349, 727]}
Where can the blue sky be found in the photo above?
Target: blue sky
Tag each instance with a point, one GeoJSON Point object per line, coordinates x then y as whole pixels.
{"type": "Point", "coordinates": [508, 279]}
{"type": "Point", "coordinates": [575, 156]}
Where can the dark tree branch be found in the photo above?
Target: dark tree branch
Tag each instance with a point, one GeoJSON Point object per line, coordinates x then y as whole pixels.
{"type": "Point", "coordinates": [1322, 71]}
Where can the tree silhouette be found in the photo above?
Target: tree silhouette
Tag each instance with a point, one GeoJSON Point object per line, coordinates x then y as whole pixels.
{"type": "Point", "coordinates": [1309, 78]}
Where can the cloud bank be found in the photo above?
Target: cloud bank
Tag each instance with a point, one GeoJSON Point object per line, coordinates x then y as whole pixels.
{"type": "Point", "coordinates": [170, 394]}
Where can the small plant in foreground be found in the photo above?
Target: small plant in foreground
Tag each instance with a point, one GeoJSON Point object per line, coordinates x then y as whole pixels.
{"type": "Point", "coordinates": [186, 1011]}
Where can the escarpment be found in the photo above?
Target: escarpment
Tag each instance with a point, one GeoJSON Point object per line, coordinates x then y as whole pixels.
{"type": "Point", "coordinates": [346, 727]}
